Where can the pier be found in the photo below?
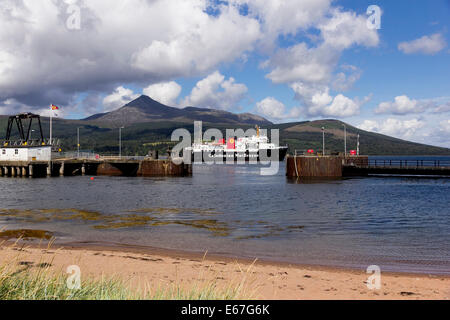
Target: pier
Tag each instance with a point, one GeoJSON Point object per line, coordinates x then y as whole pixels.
{"type": "Point", "coordinates": [340, 166]}
{"type": "Point", "coordinates": [412, 167]}
{"type": "Point", "coordinates": [94, 167]}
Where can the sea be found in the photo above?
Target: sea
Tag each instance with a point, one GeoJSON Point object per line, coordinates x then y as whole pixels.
{"type": "Point", "coordinates": [400, 224]}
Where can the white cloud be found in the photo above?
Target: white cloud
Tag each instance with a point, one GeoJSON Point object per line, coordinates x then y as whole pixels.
{"type": "Point", "coordinates": [41, 60]}
{"type": "Point", "coordinates": [404, 105]}
{"type": "Point", "coordinates": [197, 42]}
{"type": "Point", "coordinates": [216, 92]}
{"type": "Point", "coordinates": [345, 29]}
{"type": "Point", "coordinates": [302, 64]}
{"type": "Point", "coordinates": [426, 45]}
{"type": "Point", "coordinates": [445, 127]}
{"type": "Point", "coordinates": [403, 129]}
{"type": "Point", "coordinates": [442, 108]}
{"type": "Point", "coordinates": [284, 17]}
{"type": "Point", "coordinates": [309, 70]}
{"type": "Point", "coordinates": [345, 79]}
{"type": "Point", "coordinates": [401, 105]}
{"type": "Point", "coordinates": [13, 107]}
{"type": "Point", "coordinates": [164, 92]}
{"type": "Point", "coordinates": [118, 98]}
{"type": "Point", "coordinates": [276, 110]}
{"type": "Point", "coordinates": [318, 102]}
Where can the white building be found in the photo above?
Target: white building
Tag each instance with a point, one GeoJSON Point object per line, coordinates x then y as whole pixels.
{"type": "Point", "coordinates": [42, 153]}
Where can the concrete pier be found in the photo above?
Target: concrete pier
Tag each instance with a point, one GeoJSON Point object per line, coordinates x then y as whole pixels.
{"type": "Point", "coordinates": [111, 167]}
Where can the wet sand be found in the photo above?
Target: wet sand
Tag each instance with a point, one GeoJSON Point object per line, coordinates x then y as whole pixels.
{"type": "Point", "coordinates": [151, 268]}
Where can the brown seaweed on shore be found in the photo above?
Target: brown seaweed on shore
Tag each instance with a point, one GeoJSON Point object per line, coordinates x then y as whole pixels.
{"type": "Point", "coordinates": [154, 217]}
{"type": "Point", "coordinates": [26, 234]}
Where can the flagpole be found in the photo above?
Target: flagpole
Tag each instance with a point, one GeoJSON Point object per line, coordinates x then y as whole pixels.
{"type": "Point", "coordinates": [51, 113]}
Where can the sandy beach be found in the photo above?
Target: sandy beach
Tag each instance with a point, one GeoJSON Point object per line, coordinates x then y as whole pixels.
{"type": "Point", "coordinates": [260, 280]}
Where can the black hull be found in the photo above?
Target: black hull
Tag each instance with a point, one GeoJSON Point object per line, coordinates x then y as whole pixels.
{"type": "Point", "coordinates": [243, 157]}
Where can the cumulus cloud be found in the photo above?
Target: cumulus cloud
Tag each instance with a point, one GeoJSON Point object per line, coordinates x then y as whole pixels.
{"type": "Point", "coordinates": [284, 17]}
{"type": "Point", "coordinates": [41, 60]}
{"type": "Point", "coordinates": [164, 92]}
{"type": "Point", "coordinates": [426, 45]}
{"type": "Point", "coordinates": [197, 42]}
{"type": "Point", "coordinates": [13, 107]}
{"type": "Point", "coordinates": [404, 105]}
{"type": "Point", "coordinates": [300, 63]}
{"type": "Point", "coordinates": [345, 29]}
{"type": "Point", "coordinates": [118, 98]}
{"type": "Point", "coordinates": [276, 110]}
{"type": "Point", "coordinates": [404, 129]}
{"type": "Point", "coordinates": [217, 92]}
{"type": "Point", "coordinates": [445, 126]}
{"type": "Point", "coordinates": [345, 79]}
{"type": "Point", "coordinates": [401, 105]}
{"type": "Point", "coordinates": [309, 70]}
{"type": "Point", "coordinates": [317, 101]}
{"type": "Point", "coordinates": [442, 108]}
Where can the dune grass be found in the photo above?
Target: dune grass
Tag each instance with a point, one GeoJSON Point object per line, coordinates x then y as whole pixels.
{"type": "Point", "coordinates": [23, 282]}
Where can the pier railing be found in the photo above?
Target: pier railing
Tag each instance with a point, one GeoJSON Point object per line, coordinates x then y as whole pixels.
{"type": "Point", "coordinates": [410, 163]}
{"type": "Point", "coordinates": [94, 156]}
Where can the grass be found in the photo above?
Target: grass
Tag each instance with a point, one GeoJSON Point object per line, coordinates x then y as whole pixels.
{"type": "Point", "coordinates": [29, 281]}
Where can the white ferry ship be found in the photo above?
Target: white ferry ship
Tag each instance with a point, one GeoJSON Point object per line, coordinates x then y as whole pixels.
{"type": "Point", "coordinates": [255, 148]}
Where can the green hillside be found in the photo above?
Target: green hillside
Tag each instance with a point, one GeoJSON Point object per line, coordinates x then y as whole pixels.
{"type": "Point", "coordinates": [139, 138]}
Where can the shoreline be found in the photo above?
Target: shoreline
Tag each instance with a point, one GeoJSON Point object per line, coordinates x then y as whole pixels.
{"type": "Point", "coordinates": [139, 249]}
{"type": "Point", "coordinates": [187, 254]}
{"type": "Point", "coordinates": [271, 280]}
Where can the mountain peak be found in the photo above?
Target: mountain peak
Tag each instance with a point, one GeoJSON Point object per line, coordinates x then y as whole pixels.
{"type": "Point", "coordinates": [146, 109]}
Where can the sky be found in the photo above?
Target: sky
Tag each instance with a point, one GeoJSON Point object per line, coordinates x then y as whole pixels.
{"type": "Point", "coordinates": [382, 66]}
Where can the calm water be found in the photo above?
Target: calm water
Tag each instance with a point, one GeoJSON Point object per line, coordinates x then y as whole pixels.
{"type": "Point", "coordinates": [400, 224]}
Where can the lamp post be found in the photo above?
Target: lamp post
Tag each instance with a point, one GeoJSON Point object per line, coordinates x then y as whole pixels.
{"type": "Point", "coordinates": [357, 146]}
{"type": "Point", "coordinates": [323, 141]}
{"type": "Point", "coordinates": [31, 135]}
{"type": "Point", "coordinates": [345, 140]}
{"type": "Point", "coordinates": [78, 142]}
{"type": "Point", "coordinates": [120, 141]}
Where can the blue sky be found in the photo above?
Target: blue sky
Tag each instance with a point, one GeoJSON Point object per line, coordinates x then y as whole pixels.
{"type": "Point", "coordinates": [298, 60]}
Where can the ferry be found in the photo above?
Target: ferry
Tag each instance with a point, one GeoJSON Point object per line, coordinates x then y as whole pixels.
{"type": "Point", "coordinates": [243, 149]}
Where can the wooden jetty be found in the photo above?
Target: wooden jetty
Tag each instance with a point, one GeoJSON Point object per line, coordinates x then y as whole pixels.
{"type": "Point", "coordinates": [101, 167]}
{"type": "Point", "coordinates": [340, 166]}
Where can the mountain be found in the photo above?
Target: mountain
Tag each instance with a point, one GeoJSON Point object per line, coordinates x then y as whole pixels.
{"type": "Point", "coordinates": [145, 109]}
{"type": "Point", "coordinates": [150, 126]}
{"type": "Point", "coordinates": [308, 135]}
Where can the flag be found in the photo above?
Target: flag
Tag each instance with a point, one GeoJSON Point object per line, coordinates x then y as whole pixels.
{"type": "Point", "coordinates": [53, 107]}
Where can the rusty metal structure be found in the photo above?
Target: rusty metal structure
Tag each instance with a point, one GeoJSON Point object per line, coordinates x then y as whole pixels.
{"type": "Point", "coordinates": [317, 167]}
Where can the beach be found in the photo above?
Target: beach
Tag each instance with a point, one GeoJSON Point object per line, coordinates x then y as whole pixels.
{"type": "Point", "coordinates": [155, 268]}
